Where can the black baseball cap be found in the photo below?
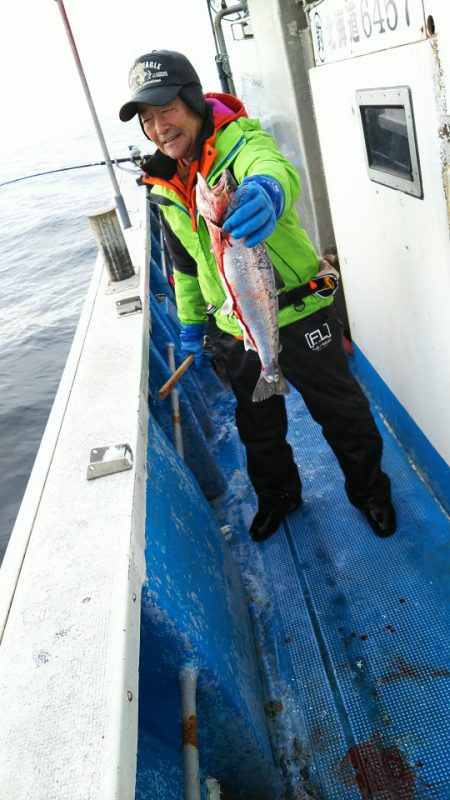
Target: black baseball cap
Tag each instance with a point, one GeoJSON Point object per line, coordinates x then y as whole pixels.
{"type": "Point", "coordinates": [157, 77]}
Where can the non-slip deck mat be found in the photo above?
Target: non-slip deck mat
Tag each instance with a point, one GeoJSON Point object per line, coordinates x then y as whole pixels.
{"type": "Point", "coordinates": [365, 622]}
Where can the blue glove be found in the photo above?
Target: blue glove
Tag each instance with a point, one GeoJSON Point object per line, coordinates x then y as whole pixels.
{"type": "Point", "coordinates": [191, 340]}
{"type": "Point", "coordinates": [257, 204]}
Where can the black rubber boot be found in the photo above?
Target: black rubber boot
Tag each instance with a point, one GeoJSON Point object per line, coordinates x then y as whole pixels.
{"type": "Point", "coordinates": [270, 514]}
{"type": "Point", "coordinates": [381, 517]}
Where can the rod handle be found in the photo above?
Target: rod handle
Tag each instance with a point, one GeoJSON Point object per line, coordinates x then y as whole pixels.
{"type": "Point", "coordinates": [168, 386]}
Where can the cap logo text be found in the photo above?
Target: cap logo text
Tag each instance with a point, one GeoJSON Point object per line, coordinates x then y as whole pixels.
{"type": "Point", "coordinates": [146, 73]}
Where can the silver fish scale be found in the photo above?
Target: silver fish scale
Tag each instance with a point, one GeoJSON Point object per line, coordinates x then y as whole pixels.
{"type": "Point", "coordinates": [249, 283]}
{"type": "Point", "coordinates": [250, 276]}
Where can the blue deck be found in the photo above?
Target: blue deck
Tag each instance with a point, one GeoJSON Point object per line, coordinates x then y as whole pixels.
{"type": "Point", "coordinates": [350, 632]}
{"type": "Point", "coordinates": [364, 623]}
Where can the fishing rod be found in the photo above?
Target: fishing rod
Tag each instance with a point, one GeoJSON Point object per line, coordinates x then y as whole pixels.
{"type": "Point", "coordinates": [132, 159]}
{"type": "Point", "coordinates": [120, 203]}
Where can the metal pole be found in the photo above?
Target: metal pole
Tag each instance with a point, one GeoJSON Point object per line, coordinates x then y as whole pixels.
{"type": "Point", "coordinates": [163, 250]}
{"type": "Point", "coordinates": [191, 765]}
{"type": "Point", "coordinates": [212, 25]}
{"type": "Point", "coordinates": [117, 197]}
{"type": "Point", "coordinates": [175, 400]}
{"type": "Point", "coordinates": [222, 59]}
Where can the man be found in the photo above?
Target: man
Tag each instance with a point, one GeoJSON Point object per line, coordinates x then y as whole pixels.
{"type": "Point", "coordinates": [208, 133]}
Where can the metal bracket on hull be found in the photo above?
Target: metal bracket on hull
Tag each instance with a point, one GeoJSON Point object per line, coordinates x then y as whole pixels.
{"type": "Point", "coordinates": [130, 305]}
{"type": "Point", "coordinates": [108, 460]}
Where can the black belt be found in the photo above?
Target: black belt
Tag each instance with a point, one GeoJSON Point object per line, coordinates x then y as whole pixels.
{"type": "Point", "coordinates": [324, 286]}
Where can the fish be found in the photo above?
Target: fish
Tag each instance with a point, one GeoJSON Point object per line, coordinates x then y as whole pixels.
{"type": "Point", "coordinates": [249, 283]}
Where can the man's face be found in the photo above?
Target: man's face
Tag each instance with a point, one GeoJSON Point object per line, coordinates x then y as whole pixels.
{"type": "Point", "coordinates": [174, 128]}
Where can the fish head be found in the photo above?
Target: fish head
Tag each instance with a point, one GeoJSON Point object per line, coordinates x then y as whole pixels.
{"type": "Point", "coordinates": [213, 201]}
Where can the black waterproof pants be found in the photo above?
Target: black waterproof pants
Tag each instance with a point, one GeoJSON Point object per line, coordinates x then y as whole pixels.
{"type": "Point", "coordinates": [313, 360]}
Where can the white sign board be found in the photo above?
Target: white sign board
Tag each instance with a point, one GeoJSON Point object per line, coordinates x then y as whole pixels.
{"type": "Point", "coordinates": [344, 28]}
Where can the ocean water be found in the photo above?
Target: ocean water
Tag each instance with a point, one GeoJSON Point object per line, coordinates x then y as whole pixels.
{"type": "Point", "coordinates": [47, 256]}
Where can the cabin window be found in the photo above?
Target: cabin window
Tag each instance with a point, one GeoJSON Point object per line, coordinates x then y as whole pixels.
{"type": "Point", "coordinates": [390, 140]}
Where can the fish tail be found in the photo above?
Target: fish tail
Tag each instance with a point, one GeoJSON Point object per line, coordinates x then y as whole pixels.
{"type": "Point", "coordinates": [265, 389]}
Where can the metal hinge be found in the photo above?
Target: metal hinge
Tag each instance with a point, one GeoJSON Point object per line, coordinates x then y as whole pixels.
{"type": "Point", "coordinates": [108, 460]}
{"type": "Point", "coordinates": [129, 305]}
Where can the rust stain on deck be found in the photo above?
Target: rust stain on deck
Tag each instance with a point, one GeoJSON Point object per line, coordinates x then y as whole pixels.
{"type": "Point", "coordinates": [273, 707]}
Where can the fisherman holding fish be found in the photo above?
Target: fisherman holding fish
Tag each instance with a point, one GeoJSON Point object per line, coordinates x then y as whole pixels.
{"type": "Point", "coordinates": [227, 197]}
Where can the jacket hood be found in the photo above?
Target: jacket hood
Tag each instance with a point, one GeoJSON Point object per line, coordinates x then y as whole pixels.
{"type": "Point", "coordinates": [225, 108]}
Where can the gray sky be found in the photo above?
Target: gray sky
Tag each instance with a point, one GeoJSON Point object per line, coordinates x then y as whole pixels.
{"type": "Point", "coordinates": [40, 93]}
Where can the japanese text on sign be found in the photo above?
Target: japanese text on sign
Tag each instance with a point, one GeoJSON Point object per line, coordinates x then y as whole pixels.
{"type": "Point", "coordinates": [344, 28]}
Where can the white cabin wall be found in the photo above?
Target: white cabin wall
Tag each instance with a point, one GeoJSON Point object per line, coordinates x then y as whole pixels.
{"type": "Point", "coordinates": [394, 248]}
{"type": "Point", "coordinates": [271, 76]}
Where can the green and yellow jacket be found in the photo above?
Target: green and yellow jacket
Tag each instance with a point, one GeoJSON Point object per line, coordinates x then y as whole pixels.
{"type": "Point", "coordinates": [229, 140]}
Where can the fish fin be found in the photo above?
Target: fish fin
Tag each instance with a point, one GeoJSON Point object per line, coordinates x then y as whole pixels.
{"type": "Point", "coordinates": [248, 344]}
{"type": "Point", "coordinates": [265, 389]}
{"type": "Point", "coordinates": [227, 308]}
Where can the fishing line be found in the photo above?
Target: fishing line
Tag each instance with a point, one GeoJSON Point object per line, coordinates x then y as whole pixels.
{"type": "Point", "coordinates": [116, 161]}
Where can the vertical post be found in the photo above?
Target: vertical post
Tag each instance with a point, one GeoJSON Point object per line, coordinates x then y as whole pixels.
{"type": "Point", "coordinates": [111, 243]}
{"type": "Point", "coordinates": [191, 762]}
{"type": "Point", "coordinates": [175, 400]}
{"type": "Point", "coordinates": [163, 249]}
{"type": "Point", "coordinates": [117, 196]}
{"type": "Point", "coordinates": [222, 59]}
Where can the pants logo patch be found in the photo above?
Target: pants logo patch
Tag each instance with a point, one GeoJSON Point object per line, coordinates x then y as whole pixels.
{"type": "Point", "coordinates": [319, 338]}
